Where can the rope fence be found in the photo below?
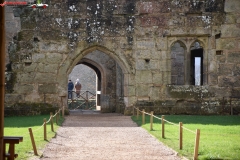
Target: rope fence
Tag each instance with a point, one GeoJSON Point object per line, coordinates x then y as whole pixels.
{"type": "Point", "coordinates": [180, 125]}
{"type": "Point", "coordinates": [30, 131]}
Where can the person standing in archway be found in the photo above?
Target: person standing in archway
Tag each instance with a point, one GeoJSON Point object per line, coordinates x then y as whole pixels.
{"type": "Point", "coordinates": [78, 87]}
{"type": "Point", "coordinates": [70, 88]}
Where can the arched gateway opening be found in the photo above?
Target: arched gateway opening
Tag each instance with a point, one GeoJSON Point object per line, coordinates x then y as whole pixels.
{"type": "Point", "coordinates": [110, 77]}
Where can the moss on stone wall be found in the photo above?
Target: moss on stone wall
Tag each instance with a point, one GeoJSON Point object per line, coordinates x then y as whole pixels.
{"type": "Point", "coordinates": [10, 81]}
{"type": "Point", "coordinates": [28, 109]}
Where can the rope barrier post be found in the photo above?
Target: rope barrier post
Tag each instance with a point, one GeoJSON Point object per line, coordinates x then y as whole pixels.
{"type": "Point", "coordinates": [151, 121]}
{"type": "Point", "coordinates": [163, 126]}
{"type": "Point", "coordinates": [137, 113]}
{"type": "Point", "coordinates": [56, 113]}
{"type": "Point", "coordinates": [143, 117]}
{"type": "Point", "coordinates": [33, 142]}
{"type": "Point", "coordinates": [196, 144]}
{"type": "Point", "coordinates": [51, 116]}
{"type": "Point", "coordinates": [180, 135]}
{"type": "Point", "coordinates": [45, 129]}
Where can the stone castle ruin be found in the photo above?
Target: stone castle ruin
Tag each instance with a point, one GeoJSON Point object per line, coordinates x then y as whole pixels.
{"type": "Point", "coordinates": [167, 56]}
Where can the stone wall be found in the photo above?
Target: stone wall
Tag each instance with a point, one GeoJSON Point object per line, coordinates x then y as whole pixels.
{"type": "Point", "coordinates": [139, 36]}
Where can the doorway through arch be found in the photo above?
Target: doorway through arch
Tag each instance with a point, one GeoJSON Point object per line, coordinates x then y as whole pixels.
{"type": "Point", "coordinates": [109, 81]}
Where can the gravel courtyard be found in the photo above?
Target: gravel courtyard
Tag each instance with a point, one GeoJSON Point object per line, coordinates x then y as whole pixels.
{"type": "Point", "coordinates": [103, 137]}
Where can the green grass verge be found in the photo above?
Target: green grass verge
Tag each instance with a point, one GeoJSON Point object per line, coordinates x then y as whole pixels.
{"type": "Point", "coordinates": [18, 126]}
{"type": "Point", "coordinates": [219, 135]}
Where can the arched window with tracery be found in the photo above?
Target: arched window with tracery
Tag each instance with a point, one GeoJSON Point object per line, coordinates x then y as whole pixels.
{"type": "Point", "coordinates": [178, 64]}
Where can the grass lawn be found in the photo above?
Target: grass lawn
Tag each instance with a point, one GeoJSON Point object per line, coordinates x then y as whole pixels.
{"type": "Point", "coordinates": [18, 126]}
{"type": "Point", "coordinates": [219, 135]}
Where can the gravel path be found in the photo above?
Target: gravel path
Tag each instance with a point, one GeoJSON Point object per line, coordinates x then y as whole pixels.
{"type": "Point", "coordinates": [104, 137]}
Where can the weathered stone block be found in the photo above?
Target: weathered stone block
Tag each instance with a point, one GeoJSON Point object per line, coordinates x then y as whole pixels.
{"type": "Point", "coordinates": [24, 89]}
{"type": "Point", "coordinates": [53, 47]}
{"type": "Point", "coordinates": [54, 57]}
{"type": "Point", "coordinates": [236, 70]}
{"type": "Point", "coordinates": [38, 57]}
{"type": "Point", "coordinates": [229, 81]}
{"type": "Point", "coordinates": [143, 54]}
{"type": "Point", "coordinates": [13, 98]}
{"type": "Point", "coordinates": [188, 92]}
{"type": "Point", "coordinates": [143, 77]}
{"type": "Point", "coordinates": [129, 90]}
{"type": "Point", "coordinates": [227, 44]}
{"type": "Point", "coordinates": [213, 79]}
{"type": "Point", "coordinates": [47, 88]}
{"type": "Point", "coordinates": [141, 64]}
{"type": "Point", "coordinates": [129, 101]}
{"type": "Point", "coordinates": [226, 69]}
{"type": "Point", "coordinates": [45, 78]}
{"type": "Point", "coordinates": [230, 30]}
{"type": "Point", "coordinates": [51, 68]}
{"type": "Point", "coordinates": [145, 44]}
{"type": "Point", "coordinates": [161, 44]}
{"type": "Point", "coordinates": [30, 68]}
{"type": "Point", "coordinates": [154, 64]}
{"type": "Point", "coordinates": [154, 93]}
{"type": "Point", "coordinates": [166, 77]}
{"type": "Point", "coordinates": [26, 77]}
{"type": "Point", "coordinates": [233, 57]}
{"type": "Point", "coordinates": [156, 55]}
{"type": "Point", "coordinates": [145, 7]}
{"type": "Point", "coordinates": [230, 19]}
{"type": "Point", "coordinates": [142, 90]}
{"type": "Point", "coordinates": [232, 6]}
{"type": "Point", "coordinates": [17, 67]}
{"type": "Point", "coordinates": [157, 78]}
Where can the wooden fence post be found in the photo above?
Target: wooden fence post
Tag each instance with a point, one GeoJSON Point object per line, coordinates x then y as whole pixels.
{"type": "Point", "coordinates": [45, 128]}
{"type": "Point", "coordinates": [137, 113]}
{"type": "Point", "coordinates": [180, 135]}
{"type": "Point", "coordinates": [196, 144]}
{"type": "Point", "coordinates": [51, 116]}
{"type": "Point", "coordinates": [143, 117]}
{"type": "Point", "coordinates": [151, 121]}
{"type": "Point", "coordinates": [133, 111]}
{"type": "Point", "coordinates": [163, 126]}
{"type": "Point", "coordinates": [33, 141]}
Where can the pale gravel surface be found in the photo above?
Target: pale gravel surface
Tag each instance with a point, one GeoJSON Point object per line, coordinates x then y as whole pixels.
{"type": "Point", "coordinates": [105, 137]}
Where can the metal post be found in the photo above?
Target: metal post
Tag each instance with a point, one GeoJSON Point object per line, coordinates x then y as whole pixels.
{"type": "Point", "coordinates": [2, 76]}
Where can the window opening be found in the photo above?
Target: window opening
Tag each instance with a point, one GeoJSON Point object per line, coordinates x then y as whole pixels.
{"type": "Point", "coordinates": [197, 67]}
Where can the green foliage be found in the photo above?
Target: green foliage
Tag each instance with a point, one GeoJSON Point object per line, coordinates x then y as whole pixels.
{"type": "Point", "coordinates": [219, 135]}
{"type": "Point", "coordinates": [18, 126]}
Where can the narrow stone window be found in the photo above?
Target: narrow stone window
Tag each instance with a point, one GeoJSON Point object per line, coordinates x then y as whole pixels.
{"type": "Point", "coordinates": [197, 65]}
{"type": "Point", "coordinates": [177, 64]}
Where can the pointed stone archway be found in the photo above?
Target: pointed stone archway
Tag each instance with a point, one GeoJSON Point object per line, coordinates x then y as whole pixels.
{"type": "Point", "coordinates": [112, 81]}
